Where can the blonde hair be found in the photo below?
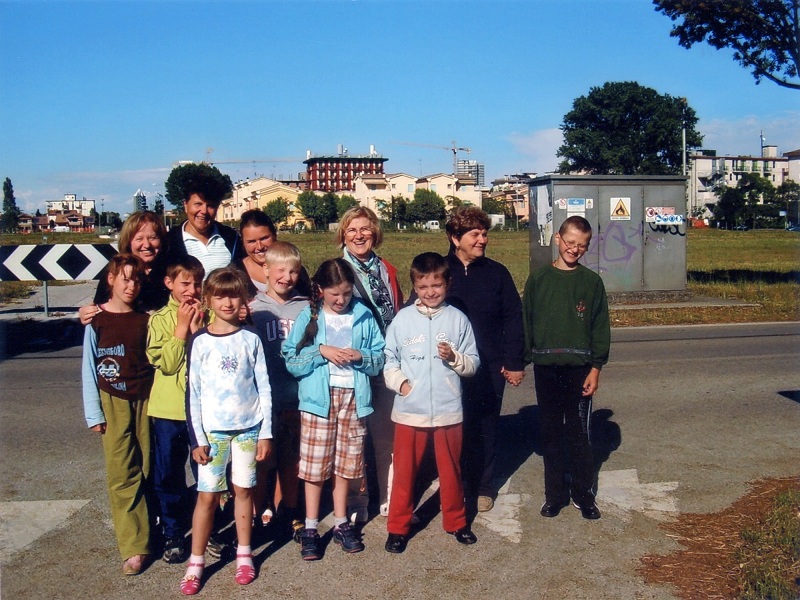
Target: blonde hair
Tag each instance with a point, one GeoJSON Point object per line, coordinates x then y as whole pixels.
{"type": "Point", "coordinates": [134, 223]}
{"type": "Point", "coordinates": [283, 252]}
{"type": "Point", "coordinates": [360, 212]}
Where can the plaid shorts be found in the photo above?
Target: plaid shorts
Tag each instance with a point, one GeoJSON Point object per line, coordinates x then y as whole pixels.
{"type": "Point", "coordinates": [334, 445]}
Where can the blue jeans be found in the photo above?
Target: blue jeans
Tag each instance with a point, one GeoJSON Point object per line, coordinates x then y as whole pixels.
{"type": "Point", "coordinates": [171, 451]}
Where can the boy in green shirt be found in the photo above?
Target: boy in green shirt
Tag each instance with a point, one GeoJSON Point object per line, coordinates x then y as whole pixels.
{"type": "Point", "coordinates": [168, 331]}
{"type": "Point", "coordinates": [567, 338]}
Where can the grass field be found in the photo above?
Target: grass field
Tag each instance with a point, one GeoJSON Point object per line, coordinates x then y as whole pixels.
{"type": "Point", "coordinates": [755, 267]}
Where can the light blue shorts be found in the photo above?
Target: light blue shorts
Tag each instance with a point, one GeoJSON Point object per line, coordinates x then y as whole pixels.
{"type": "Point", "coordinates": [237, 446]}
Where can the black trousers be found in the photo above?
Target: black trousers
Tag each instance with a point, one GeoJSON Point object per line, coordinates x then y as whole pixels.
{"type": "Point", "coordinates": [482, 402]}
{"type": "Point", "coordinates": [564, 416]}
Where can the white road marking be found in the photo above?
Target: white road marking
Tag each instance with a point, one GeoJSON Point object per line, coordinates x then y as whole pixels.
{"type": "Point", "coordinates": [22, 523]}
{"type": "Point", "coordinates": [621, 492]}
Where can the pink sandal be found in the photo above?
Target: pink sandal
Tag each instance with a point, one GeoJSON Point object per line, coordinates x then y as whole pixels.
{"type": "Point", "coordinates": [190, 584]}
{"type": "Point", "coordinates": [245, 574]}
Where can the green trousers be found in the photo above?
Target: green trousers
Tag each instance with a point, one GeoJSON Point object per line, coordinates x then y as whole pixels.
{"type": "Point", "coordinates": [126, 444]}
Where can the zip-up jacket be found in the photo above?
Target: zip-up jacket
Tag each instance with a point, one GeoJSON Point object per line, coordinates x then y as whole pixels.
{"type": "Point", "coordinates": [311, 368]}
{"type": "Point", "coordinates": [412, 355]}
{"type": "Point", "coordinates": [485, 291]}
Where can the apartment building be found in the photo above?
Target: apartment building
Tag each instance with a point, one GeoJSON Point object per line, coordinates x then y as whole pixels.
{"type": "Point", "coordinates": [709, 172]}
{"type": "Point", "coordinates": [337, 173]}
{"type": "Point", "coordinates": [375, 191]}
{"type": "Point", "coordinates": [257, 193]}
{"type": "Point", "coordinates": [71, 202]}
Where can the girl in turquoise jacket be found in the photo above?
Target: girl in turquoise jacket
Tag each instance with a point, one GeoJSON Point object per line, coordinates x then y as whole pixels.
{"type": "Point", "coordinates": [333, 349]}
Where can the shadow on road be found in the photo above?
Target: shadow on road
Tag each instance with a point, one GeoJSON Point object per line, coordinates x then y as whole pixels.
{"type": "Point", "coordinates": [793, 395]}
{"type": "Point", "coordinates": [30, 335]}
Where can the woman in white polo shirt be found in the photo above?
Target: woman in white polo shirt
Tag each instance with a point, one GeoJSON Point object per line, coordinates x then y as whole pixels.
{"type": "Point", "coordinates": [201, 188]}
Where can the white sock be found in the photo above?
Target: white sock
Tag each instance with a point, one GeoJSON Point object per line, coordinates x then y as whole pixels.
{"type": "Point", "coordinates": [247, 559]}
{"type": "Point", "coordinates": [200, 562]}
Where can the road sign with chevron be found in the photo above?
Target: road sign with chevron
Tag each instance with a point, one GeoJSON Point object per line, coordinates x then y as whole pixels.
{"type": "Point", "coordinates": [54, 262]}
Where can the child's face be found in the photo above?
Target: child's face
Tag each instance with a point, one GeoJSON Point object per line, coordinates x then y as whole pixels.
{"type": "Point", "coordinates": [124, 286]}
{"type": "Point", "coordinates": [431, 289]}
{"type": "Point", "coordinates": [184, 288]}
{"type": "Point", "coordinates": [282, 278]}
{"type": "Point", "coordinates": [571, 247]}
{"type": "Point", "coordinates": [337, 298]}
{"type": "Point", "coordinates": [226, 308]}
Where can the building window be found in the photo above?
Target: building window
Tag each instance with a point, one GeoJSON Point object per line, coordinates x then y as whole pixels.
{"type": "Point", "coordinates": [410, 188]}
{"type": "Point", "coordinates": [433, 187]}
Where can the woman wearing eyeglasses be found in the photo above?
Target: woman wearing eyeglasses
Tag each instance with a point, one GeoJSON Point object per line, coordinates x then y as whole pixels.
{"type": "Point", "coordinates": [359, 235]}
{"type": "Point", "coordinates": [484, 290]}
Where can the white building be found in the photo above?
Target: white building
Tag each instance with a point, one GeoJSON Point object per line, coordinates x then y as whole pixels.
{"type": "Point", "coordinates": [71, 202]}
{"type": "Point", "coordinates": [709, 172]}
{"type": "Point", "coordinates": [375, 190]}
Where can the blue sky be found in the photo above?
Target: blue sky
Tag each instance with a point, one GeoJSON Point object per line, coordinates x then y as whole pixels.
{"type": "Point", "coordinates": [101, 98]}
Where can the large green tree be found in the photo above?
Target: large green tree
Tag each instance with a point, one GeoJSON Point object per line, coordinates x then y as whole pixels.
{"type": "Point", "coordinates": [344, 203]}
{"type": "Point", "coordinates": [426, 206]}
{"type": "Point", "coordinates": [9, 221]}
{"type": "Point", "coordinates": [624, 128]}
{"type": "Point", "coordinates": [277, 210]}
{"type": "Point", "coordinates": [751, 202]}
{"type": "Point", "coordinates": [763, 34]}
{"type": "Point", "coordinates": [321, 210]}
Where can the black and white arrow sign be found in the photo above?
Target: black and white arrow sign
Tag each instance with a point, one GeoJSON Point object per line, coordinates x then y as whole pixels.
{"type": "Point", "coordinates": [54, 262]}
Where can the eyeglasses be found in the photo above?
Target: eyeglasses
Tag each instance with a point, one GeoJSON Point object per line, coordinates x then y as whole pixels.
{"type": "Point", "coordinates": [352, 231]}
{"type": "Point", "coordinates": [575, 245]}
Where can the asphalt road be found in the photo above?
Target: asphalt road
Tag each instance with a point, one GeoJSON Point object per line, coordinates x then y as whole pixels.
{"type": "Point", "coordinates": [685, 417]}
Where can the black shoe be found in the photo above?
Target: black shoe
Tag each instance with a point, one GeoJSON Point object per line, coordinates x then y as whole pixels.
{"type": "Point", "coordinates": [396, 543]}
{"type": "Point", "coordinates": [551, 509]}
{"type": "Point", "coordinates": [588, 511]}
{"type": "Point", "coordinates": [217, 546]}
{"type": "Point", "coordinates": [309, 545]}
{"type": "Point", "coordinates": [175, 550]}
{"type": "Point", "coordinates": [464, 536]}
{"type": "Point", "coordinates": [346, 536]}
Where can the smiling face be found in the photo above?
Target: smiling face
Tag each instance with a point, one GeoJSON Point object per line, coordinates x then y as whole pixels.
{"type": "Point", "coordinates": [359, 238]}
{"type": "Point", "coordinates": [226, 308]}
{"type": "Point", "coordinates": [146, 244]}
{"type": "Point", "coordinates": [200, 216]}
{"type": "Point", "coordinates": [282, 278]}
{"type": "Point", "coordinates": [471, 246]}
{"type": "Point", "coordinates": [125, 286]}
{"type": "Point", "coordinates": [257, 239]}
{"type": "Point", "coordinates": [336, 299]}
{"type": "Point", "coordinates": [431, 289]}
{"type": "Point", "coordinates": [185, 287]}
{"type": "Point", "coordinates": [572, 245]}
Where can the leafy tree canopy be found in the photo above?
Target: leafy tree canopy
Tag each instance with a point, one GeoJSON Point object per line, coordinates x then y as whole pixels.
{"type": "Point", "coordinates": [9, 221]}
{"type": "Point", "coordinates": [277, 210]}
{"type": "Point", "coordinates": [205, 180]}
{"type": "Point", "coordinates": [426, 206]}
{"type": "Point", "coordinates": [624, 128]}
{"type": "Point", "coordinates": [321, 210]}
{"type": "Point", "coordinates": [763, 34]}
{"type": "Point", "coordinates": [344, 203]}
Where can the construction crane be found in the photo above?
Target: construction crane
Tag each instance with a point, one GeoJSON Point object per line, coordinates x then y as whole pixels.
{"type": "Point", "coordinates": [454, 148]}
{"type": "Point", "coordinates": [254, 162]}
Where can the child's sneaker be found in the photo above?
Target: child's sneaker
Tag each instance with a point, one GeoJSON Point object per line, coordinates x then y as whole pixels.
{"type": "Point", "coordinates": [216, 545]}
{"type": "Point", "coordinates": [298, 527]}
{"type": "Point", "coordinates": [346, 537]}
{"type": "Point", "coordinates": [309, 545]}
{"type": "Point", "coordinates": [175, 550]}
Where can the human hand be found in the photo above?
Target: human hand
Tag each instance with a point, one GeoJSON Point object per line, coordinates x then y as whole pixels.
{"type": "Point", "coordinates": [338, 356]}
{"type": "Point", "coordinates": [263, 450]}
{"type": "Point", "coordinates": [446, 351]}
{"type": "Point", "coordinates": [592, 382]}
{"type": "Point", "coordinates": [405, 388]}
{"type": "Point", "coordinates": [198, 319]}
{"type": "Point", "coordinates": [185, 314]}
{"type": "Point", "coordinates": [87, 313]}
{"type": "Point", "coordinates": [513, 377]}
{"type": "Point", "coordinates": [99, 428]}
{"type": "Point", "coordinates": [201, 455]}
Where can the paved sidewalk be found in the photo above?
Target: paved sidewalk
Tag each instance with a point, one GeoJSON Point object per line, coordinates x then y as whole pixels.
{"type": "Point", "coordinates": [63, 302]}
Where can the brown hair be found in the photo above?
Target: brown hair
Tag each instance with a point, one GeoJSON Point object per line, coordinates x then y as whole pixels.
{"type": "Point", "coordinates": [185, 264]}
{"type": "Point", "coordinates": [332, 272]}
{"type": "Point", "coordinates": [117, 264]}
{"type": "Point", "coordinates": [357, 212]}
{"type": "Point", "coordinates": [430, 263]}
{"type": "Point", "coordinates": [576, 222]}
{"type": "Point", "coordinates": [227, 282]}
{"type": "Point", "coordinates": [464, 219]}
{"type": "Point", "coordinates": [257, 218]}
{"type": "Point", "coordinates": [134, 222]}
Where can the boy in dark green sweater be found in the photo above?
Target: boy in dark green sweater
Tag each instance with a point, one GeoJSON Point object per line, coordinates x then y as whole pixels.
{"type": "Point", "coordinates": [567, 338]}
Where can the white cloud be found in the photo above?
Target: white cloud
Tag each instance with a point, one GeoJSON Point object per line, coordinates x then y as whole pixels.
{"type": "Point", "coordinates": [741, 136]}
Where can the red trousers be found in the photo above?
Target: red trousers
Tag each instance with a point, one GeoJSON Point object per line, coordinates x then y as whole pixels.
{"type": "Point", "coordinates": [409, 448]}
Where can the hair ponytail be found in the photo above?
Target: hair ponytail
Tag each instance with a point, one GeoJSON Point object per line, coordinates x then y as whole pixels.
{"type": "Point", "coordinates": [315, 303]}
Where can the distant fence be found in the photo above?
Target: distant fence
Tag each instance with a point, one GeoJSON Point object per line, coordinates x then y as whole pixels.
{"type": "Point", "coordinates": [54, 262]}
